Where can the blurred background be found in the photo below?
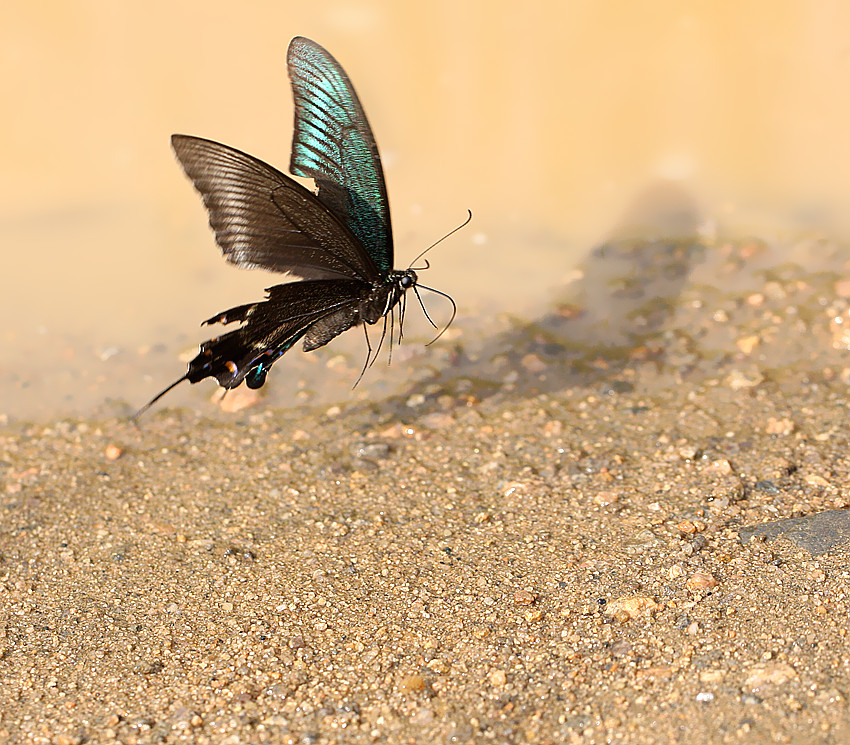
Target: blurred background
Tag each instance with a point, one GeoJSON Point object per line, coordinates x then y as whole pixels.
{"type": "Point", "coordinates": [560, 124]}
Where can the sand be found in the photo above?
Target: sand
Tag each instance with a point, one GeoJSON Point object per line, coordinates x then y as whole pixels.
{"type": "Point", "coordinates": [539, 540]}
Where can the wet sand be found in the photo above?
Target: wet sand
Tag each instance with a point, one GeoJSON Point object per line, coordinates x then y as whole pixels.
{"type": "Point", "coordinates": [538, 539]}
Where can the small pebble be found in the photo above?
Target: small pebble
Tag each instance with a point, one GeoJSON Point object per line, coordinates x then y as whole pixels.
{"type": "Point", "coordinates": [498, 677]}
{"type": "Point", "coordinates": [375, 450]}
{"type": "Point", "coordinates": [779, 426]}
{"type": "Point", "coordinates": [747, 343]}
{"type": "Point", "coordinates": [817, 574]}
{"type": "Point", "coordinates": [512, 487]}
{"type": "Point", "coordinates": [701, 581]}
{"type": "Point", "coordinates": [417, 399]}
{"type": "Point", "coordinates": [626, 608]}
{"type": "Point", "coordinates": [524, 597]}
{"type": "Point", "coordinates": [437, 420]}
{"type": "Point", "coordinates": [605, 498]}
{"type": "Point", "coordinates": [711, 676]}
{"type": "Point", "coordinates": [738, 380]}
{"type": "Point", "coordinates": [773, 674]}
{"type": "Point", "coordinates": [621, 648]}
{"type": "Point", "coordinates": [113, 452]}
{"type": "Point", "coordinates": [533, 363]}
{"type": "Point", "coordinates": [814, 479]}
{"type": "Point", "coordinates": [722, 467]}
{"type": "Point", "coordinates": [63, 739]}
{"type": "Point", "coordinates": [553, 427]}
{"type": "Point", "coordinates": [839, 328]}
{"type": "Point", "coordinates": [412, 683]}
{"type": "Point", "coordinates": [236, 399]}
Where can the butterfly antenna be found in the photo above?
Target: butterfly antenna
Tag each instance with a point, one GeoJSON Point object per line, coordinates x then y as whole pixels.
{"type": "Point", "coordinates": [158, 396]}
{"type": "Point", "coordinates": [448, 297]}
{"type": "Point", "coordinates": [451, 232]}
{"type": "Point", "coordinates": [368, 355]}
{"type": "Point", "coordinates": [424, 309]}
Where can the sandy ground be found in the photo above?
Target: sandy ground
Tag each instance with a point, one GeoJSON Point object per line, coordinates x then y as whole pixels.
{"type": "Point", "coordinates": [538, 540]}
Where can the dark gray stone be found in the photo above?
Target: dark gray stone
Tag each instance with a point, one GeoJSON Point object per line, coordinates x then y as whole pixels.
{"type": "Point", "coordinates": [818, 534]}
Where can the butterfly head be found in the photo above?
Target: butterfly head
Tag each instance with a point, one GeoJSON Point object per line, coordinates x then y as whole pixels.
{"type": "Point", "coordinates": [406, 279]}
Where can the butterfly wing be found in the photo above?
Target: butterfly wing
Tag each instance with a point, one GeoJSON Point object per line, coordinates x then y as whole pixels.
{"type": "Point", "coordinates": [318, 309]}
{"type": "Point", "coordinates": [333, 144]}
{"type": "Point", "coordinates": [263, 218]}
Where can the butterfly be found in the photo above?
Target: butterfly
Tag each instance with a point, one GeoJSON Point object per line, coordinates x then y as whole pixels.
{"type": "Point", "coordinates": [337, 241]}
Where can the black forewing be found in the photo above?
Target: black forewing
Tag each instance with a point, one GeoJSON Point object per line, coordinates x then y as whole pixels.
{"type": "Point", "coordinates": [263, 218]}
{"type": "Point", "coordinates": [333, 144]}
{"type": "Point", "coordinates": [272, 326]}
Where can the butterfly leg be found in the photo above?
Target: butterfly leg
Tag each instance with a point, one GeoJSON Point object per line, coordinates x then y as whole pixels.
{"type": "Point", "coordinates": [392, 329]}
{"type": "Point", "coordinates": [368, 355]}
{"type": "Point", "coordinates": [402, 306]}
{"type": "Point", "coordinates": [380, 342]}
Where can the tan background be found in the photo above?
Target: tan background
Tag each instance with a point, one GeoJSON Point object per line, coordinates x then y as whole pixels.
{"type": "Point", "coordinates": [550, 120]}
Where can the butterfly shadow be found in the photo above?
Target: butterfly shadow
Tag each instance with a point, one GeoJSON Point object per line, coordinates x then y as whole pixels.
{"type": "Point", "coordinates": [604, 324]}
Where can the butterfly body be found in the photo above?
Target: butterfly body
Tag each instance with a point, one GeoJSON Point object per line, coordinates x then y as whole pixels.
{"type": "Point", "coordinates": [271, 327]}
{"type": "Point", "coordinates": [337, 240]}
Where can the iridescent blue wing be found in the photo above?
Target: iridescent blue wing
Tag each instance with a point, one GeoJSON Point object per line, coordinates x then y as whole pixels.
{"type": "Point", "coordinates": [333, 144]}
{"type": "Point", "coordinates": [263, 218]}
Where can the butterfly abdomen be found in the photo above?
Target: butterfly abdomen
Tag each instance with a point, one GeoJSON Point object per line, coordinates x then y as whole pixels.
{"type": "Point", "coordinates": [331, 326]}
{"type": "Point", "coordinates": [373, 304]}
